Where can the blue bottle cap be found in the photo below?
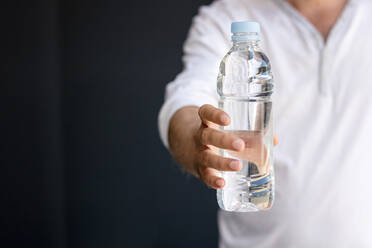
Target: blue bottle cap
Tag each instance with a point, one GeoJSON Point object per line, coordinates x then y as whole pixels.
{"type": "Point", "coordinates": [251, 30]}
{"type": "Point", "coordinates": [245, 27]}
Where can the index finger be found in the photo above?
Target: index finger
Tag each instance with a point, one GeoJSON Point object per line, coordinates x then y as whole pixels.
{"type": "Point", "coordinates": [208, 113]}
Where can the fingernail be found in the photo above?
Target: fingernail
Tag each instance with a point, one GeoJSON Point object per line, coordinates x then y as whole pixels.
{"type": "Point", "coordinates": [224, 118]}
{"type": "Point", "coordinates": [219, 182]}
{"type": "Point", "coordinates": [235, 165]}
{"type": "Point", "coordinates": [238, 144]}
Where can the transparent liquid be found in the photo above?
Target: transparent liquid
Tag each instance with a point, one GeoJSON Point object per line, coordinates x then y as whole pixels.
{"type": "Point", "coordinates": [245, 85]}
{"type": "Point", "coordinates": [252, 188]}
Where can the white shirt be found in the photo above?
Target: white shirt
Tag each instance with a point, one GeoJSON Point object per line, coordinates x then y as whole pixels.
{"type": "Point", "coordinates": [323, 117]}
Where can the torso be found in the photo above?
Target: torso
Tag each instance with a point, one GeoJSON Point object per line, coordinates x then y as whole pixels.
{"type": "Point", "coordinates": [323, 113]}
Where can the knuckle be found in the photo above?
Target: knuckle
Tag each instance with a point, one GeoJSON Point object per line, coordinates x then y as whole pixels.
{"type": "Point", "coordinates": [202, 174]}
{"type": "Point", "coordinates": [204, 158]}
{"type": "Point", "coordinates": [207, 106]}
{"type": "Point", "coordinates": [217, 162]}
{"type": "Point", "coordinates": [198, 170]}
{"type": "Point", "coordinates": [204, 135]}
{"type": "Point", "coordinates": [197, 137]}
{"type": "Point", "coordinates": [207, 111]}
{"type": "Point", "coordinates": [223, 163]}
{"type": "Point", "coordinates": [201, 111]}
{"type": "Point", "coordinates": [222, 138]}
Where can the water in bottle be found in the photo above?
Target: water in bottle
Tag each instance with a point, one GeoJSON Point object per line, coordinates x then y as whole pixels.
{"type": "Point", "coordinates": [245, 86]}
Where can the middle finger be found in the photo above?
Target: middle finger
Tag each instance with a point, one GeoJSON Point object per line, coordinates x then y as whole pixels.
{"type": "Point", "coordinates": [211, 136]}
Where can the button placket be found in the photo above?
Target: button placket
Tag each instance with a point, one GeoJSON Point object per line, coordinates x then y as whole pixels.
{"type": "Point", "coordinates": [324, 49]}
{"type": "Point", "coordinates": [329, 51]}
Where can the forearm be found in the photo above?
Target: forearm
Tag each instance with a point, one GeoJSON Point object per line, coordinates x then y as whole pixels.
{"type": "Point", "coordinates": [182, 129]}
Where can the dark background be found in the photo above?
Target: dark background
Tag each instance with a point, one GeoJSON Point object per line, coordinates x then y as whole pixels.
{"type": "Point", "coordinates": [82, 164]}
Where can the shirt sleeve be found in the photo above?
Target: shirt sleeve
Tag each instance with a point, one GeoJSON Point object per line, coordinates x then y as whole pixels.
{"type": "Point", "coordinates": [205, 46]}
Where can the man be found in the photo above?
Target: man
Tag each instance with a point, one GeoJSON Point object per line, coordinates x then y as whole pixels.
{"type": "Point", "coordinates": [321, 56]}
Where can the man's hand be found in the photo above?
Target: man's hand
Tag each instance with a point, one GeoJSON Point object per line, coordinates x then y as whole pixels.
{"type": "Point", "coordinates": [194, 140]}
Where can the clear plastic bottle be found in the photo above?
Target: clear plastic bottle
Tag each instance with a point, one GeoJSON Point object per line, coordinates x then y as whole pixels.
{"type": "Point", "coordinates": [245, 86]}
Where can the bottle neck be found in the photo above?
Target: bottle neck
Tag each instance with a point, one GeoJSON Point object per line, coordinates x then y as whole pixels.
{"type": "Point", "coordinates": [245, 36]}
{"type": "Point", "coordinates": [246, 43]}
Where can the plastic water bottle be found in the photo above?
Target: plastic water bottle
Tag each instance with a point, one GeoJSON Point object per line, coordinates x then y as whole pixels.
{"type": "Point", "coordinates": [245, 86]}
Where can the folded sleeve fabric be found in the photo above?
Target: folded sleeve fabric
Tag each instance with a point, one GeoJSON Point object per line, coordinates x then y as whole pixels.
{"type": "Point", "coordinates": [206, 44]}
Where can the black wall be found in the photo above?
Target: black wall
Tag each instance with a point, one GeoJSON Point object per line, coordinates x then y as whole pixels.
{"type": "Point", "coordinates": [82, 164]}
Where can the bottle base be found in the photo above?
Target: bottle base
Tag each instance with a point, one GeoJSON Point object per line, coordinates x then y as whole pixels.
{"type": "Point", "coordinates": [241, 202]}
